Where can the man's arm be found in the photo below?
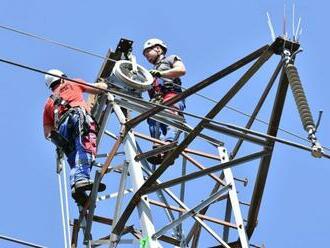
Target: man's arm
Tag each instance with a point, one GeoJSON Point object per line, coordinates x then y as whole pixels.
{"type": "Point", "coordinates": [93, 92]}
{"type": "Point", "coordinates": [178, 70]}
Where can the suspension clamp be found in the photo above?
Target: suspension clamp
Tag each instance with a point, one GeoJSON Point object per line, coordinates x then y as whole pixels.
{"type": "Point", "coordinates": [317, 149]}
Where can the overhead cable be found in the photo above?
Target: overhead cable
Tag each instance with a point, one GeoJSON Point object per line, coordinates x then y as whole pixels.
{"type": "Point", "coordinates": [102, 57]}
{"type": "Point", "coordinates": [27, 244]}
{"type": "Point", "coordinates": [116, 93]}
{"type": "Point", "coordinates": [106, 58]}
{"type": "Point", "coordinates": [55, 42]}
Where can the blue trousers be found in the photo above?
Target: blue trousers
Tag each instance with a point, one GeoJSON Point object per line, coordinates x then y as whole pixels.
{"type": "Point", "coordinates": [165, 132]}
{"type": "Point", "coordinates": [80, 160]}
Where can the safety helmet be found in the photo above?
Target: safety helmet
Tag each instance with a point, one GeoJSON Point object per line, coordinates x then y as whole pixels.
{"type": "Point", "coordinates": [153, 42]}
{"type": "Point", "coordinates": [50, 79]}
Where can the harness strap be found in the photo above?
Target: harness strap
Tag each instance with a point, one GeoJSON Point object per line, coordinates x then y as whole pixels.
{"type": "Point", "coordinates": [58, 102]}
{"type": "Point", "coordinates": [86, 120]}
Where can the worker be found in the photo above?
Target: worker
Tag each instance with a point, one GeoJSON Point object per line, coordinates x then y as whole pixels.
{"type": "Point", "coordinates": [167, 84]}
{"type": "Point", "coordinates": [68, 124]}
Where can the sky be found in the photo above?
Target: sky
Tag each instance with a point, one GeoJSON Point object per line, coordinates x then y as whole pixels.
{"type": "Point", "coordinates": [208, 36]}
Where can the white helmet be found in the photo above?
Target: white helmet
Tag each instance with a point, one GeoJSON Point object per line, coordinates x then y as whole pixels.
{"type": "Point", "coordinates": [153, 42]}
{"type": "Point", "coordinates": [49, 79]}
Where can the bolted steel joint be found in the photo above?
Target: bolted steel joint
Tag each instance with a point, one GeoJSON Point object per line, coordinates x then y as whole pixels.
{"type": "Point", "coordinates": [317, 150]}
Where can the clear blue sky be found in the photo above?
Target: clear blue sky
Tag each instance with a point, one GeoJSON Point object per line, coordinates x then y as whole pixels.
{"type": "Point", "coordinates": [208, 35]}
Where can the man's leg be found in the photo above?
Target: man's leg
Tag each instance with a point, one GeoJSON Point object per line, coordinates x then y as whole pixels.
{"type": "Point", "coordinates": [83, 162]}
{"type": "Point", "coordinates": [85, 144]}
{"type": "Point", "coordinates": [172, 133]}
{"type": "Point", "coordinates": [80, 197]}
{"type": "Point", "coordinates": [154, 128]}
{"type": "Point", "coordinates": [155, 132]}
{"type": "Point", "coordinates": [65, 130]}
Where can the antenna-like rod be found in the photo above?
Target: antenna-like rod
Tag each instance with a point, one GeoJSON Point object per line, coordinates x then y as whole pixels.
{"type": "Point", "coordinates": [293, 17]}
{"type": "Point", "coordinates": [298, 28]}
{"type": "Point", "coordinates": [270, 25]}
{"type": "Point", "coordinates": [285, 34]}
{"type": "Point", "coordinates": [300, 33]}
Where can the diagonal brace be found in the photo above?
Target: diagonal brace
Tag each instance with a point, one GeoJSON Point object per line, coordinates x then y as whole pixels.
{"type": "Point", "coordinates": [192, 211]}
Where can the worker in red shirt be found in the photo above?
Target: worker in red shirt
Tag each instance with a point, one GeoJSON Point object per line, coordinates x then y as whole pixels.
{"type": "Point", "coordinates": [167, 84]}
{"type": "Point", "coordinates": [67, 123]}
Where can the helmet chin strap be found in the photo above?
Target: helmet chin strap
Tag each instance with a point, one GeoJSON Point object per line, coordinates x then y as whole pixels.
{"type": "Point", "coordinates": [158, 58]}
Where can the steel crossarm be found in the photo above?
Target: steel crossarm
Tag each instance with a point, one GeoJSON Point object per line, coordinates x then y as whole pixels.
{"type": "Point", "coordinates": [268, 137]}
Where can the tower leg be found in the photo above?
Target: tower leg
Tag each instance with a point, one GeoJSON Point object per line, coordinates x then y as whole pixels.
{"type": "Point", "coordinates": [234, 199]}
{"type": "Point", "coordinates": [137, 180]}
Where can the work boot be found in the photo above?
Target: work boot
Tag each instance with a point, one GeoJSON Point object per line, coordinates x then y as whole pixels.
{"type": "Point", "coordinates": [80, 197]}
{"type": "Point", "coordinates": [157, 159]}
{"type": "Point", "coordinates": [165, 154]}
{"type": "Point", "coordinates": [84, 185]}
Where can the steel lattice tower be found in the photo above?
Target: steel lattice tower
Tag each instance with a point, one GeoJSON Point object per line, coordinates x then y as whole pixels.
{"type": "Point", "coordinates": [152, 194]}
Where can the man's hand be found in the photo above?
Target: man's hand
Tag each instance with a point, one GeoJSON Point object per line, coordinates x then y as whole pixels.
{"type": "Point", "coordinates": [156, 73]}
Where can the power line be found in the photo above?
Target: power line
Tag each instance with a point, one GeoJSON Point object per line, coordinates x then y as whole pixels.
{"type": "Point", "coordinates": [105, 90]}
{"type": "Point", "coordinates": [55, 42]}
{"type": "Point", "coordinates": [20, 242]}
{"type": "Point", "coordinates": [117, 93]}
{"type": "Point", "coordinates": [245, 114]}
{"type": "Point", "coordinates": [99, 56]}
{"type": "Point", "coordinates": [102, 57]}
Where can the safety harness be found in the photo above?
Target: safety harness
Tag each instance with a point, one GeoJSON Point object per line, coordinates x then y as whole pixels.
{"type": "Point", "coordinates": [85, 122]}
{"type": "Point", "coordinates": [59, 102]}
{"type": "Point", "coordinates": [155, 93]}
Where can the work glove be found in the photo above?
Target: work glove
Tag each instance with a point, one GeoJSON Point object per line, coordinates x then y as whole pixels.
{"type": "Point", "coordinates": [156, 73]}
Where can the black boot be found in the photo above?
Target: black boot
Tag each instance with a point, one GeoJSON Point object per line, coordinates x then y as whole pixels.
{"type": "Point", "coordinates": [157, 159]}
{"type": "Point", "coordinates": [80, 197]}
{"type": "Point", "coordinates": [85, 185]}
